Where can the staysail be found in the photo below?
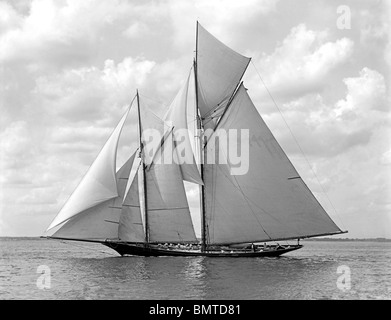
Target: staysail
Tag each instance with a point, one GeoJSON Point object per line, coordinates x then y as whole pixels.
{"type": "Point", "coordinates": [131, 226]}
{"type": "Point", "coordinates": [100, 182]}
{"type": "Point", "coordinates": [219, 70]}
{"type": "Point", "coordinates": [168, 210]}
{"type": "Point", "coordinates": [270, 201]}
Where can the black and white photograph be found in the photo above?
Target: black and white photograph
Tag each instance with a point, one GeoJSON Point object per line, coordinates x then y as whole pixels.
{"type": "Point", "coordinates": [195, 151]}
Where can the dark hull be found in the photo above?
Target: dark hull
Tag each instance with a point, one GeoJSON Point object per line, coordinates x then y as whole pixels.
{"type": "Point", "coordinates": [155, 251]}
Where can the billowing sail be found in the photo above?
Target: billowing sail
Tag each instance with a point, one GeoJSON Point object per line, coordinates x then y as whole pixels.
{"type": "Point", "coordinates": [101, 221]}
{"type": "Point", "coordinates": [168, 210]}
{"type": "Point", "coordinates": [177, 116]}
{"type": "Point", "coordinates": [270, 201]}
{"type": "Point", "coordinates": [219, 70]}
{"type": "Point", "coordinates": [98, 185]}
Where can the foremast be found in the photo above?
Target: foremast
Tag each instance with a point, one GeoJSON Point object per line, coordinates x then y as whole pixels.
{"type": "Point", "coordinates": [143, 177]}
{"type": "Point", "coordinates": [200, 129]}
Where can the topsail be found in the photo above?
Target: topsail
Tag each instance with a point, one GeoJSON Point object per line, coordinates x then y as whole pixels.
{"type": "Point", "coordinates": [219, 70]}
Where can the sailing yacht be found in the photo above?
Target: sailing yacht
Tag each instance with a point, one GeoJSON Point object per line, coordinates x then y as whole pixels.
{"type": "Point", "coordinates": [148, 214]}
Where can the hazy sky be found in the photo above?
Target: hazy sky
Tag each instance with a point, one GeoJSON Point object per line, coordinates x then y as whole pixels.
{"type": "Point", "coordinates": [69, 68]}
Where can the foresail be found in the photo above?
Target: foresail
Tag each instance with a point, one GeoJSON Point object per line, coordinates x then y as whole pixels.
{"type": "Point", "coordinates": [168, 210]}
{"type": "Point", "coordinates": [101, 221]}
{"type": "Point", "coordinates": [219, 70]}
{"type": "Point", "coordinates": [98, 185]}
{"type": "Point", "coordinates": [177, 116]}
{"type": "Point", "coordinates": [131, 226]}
{"type": "Point", "coordinates": [270, 201]}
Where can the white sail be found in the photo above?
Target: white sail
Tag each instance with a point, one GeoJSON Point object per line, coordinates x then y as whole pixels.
{"type": "Point", "coordinates": [270, 201]}
{"type": "Point", "coordinates": [153, 129]}
{"type": "Point", "coordinates": [131, 226]}
{"type": "Point", "coordinates": [101, 221]}
{"type": "Point", "coordinates": [177, 116]}
{"type": "Point", "coordinates": [168, 210]}
{"type": "Point", "coordinates": [98, 185]}
{"type": "Point", "coordinates": [219, 70]}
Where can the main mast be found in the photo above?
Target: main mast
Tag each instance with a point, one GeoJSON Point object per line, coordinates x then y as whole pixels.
{"type": "Point", "coordinates": [143, 166]}
{"type": "Point", "coordinates": [201, 153]}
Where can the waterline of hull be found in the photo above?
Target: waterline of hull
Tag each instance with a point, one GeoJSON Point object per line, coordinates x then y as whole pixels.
{"type": "Point", "coordinates": [125, 249]}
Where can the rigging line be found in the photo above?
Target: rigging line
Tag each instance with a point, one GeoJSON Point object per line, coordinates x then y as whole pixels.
{"type": "Point", "coordinates": [297, 143]}
{"type": "Point", "coordinates": [234, 92]}
{"type": "Point", "coordinates": [165, 209]}
{"type": "Point", "coordinates": [149, 109]}
{"type": "Point", "coordinates": [220, 106]}
{"type": "Point", "coordinates": [161, 103]}
{"type": "Point", "coordinates": [154, 100]}
{"type": "Point", "coordinates": [85, 247]}
{"type": "Point", "coordinates": [192, 121]}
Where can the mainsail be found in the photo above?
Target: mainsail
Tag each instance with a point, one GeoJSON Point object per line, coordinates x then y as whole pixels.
{"type": "Point", "coordinates": [270, 201]}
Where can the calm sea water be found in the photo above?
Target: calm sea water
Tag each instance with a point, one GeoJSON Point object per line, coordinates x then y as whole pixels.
{"type": "Point", "coordinates": [321, 270]}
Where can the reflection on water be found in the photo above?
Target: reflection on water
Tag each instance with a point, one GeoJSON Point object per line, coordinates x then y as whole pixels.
{"type": "Point", "coordinates": [195, 275]}
{"type": "Point", "coordinates": [90, 272]}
